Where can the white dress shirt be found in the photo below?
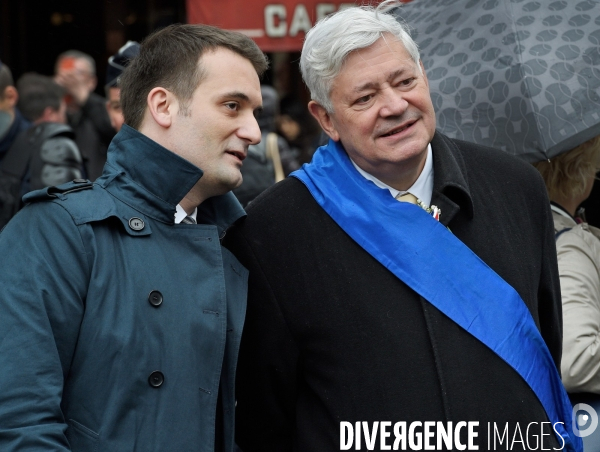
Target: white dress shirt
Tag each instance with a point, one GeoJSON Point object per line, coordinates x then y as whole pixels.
{"type": "Point", "coordinates": [180, 214]}
{"type": "Point", "coordinates": [422, 189]}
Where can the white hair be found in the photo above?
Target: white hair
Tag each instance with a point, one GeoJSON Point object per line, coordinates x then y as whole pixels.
{"type": "Point", "coordinates": [333, 38]}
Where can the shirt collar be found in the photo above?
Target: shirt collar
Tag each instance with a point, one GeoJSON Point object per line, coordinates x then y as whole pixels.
{"type": "Point", "coordinates": [180, 214]}
{"type": "Point", "coordinates": [423, 186]}
{"type": "Point", "coordinates": [561, 211]}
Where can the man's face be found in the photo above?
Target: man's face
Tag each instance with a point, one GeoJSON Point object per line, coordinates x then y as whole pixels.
{"type": "Point", "coordinates": [383, 114]}
{"type": "Point", "coordinates": [75, 74]}
{"type": "Point", "coordinates": [78, 67]}
{"type": "Point", "coordinates": [113, 106]}
{"type": "Point", "coordinates": [218, 125]}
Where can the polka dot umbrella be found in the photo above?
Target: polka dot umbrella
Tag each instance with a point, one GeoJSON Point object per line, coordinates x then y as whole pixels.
{"type": "Point", "coordinates": [519, 75]}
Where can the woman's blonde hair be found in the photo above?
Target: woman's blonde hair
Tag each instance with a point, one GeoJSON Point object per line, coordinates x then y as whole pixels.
{"type": "Point", "coordinates": [566, 175]}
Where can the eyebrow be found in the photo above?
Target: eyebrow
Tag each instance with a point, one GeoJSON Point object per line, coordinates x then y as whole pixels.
{"type": "Point", "coordinates": [374, 85]}
{"type": "Point", "coordinates": [236, 95]}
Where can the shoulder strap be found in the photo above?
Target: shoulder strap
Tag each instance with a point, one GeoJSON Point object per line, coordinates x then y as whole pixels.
{"type": "Point", "coordinates": [273, 155]}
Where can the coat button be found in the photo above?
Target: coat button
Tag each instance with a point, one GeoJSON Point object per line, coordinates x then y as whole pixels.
{"type": "Point", "coordinates": [137, 224]}
{"type": "Point", "coordinates": [156, 379]}
{"type": "Point", "coordinates": [155, 298]}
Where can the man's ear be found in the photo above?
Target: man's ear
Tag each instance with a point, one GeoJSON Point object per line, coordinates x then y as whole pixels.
{"type": "Point", "coordinates": [48, 115]}
{"type": "Point", "coordinates": [324, 119]}
{"type": "Point", "coordinates": [162, 106]}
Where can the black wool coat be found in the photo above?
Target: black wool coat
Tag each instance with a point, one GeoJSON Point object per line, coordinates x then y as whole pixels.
{"type": "Point", "coordinates": [331, 335]}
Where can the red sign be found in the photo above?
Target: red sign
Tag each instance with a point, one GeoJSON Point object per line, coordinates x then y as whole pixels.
{"type": "Point", "coordinates": [273, 26]}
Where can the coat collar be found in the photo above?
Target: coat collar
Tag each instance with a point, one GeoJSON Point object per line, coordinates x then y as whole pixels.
{"type": "Point", "coordinates": [153, 180]}
{"type": "Point", "coordinates": [451, 191]}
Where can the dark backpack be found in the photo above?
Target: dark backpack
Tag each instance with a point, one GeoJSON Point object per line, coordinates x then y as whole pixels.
{"type": "Point", "coordinates": [40, 156]}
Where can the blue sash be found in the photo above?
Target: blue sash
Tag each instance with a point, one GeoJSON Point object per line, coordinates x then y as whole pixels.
{"type": "Point", "coordinates": [430, 260]}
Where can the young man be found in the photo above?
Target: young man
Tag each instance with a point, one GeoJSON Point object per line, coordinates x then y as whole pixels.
{"type": "Point", "coordinates": [373, 321]}
{"type": "Point", "coordinates": [121, 317]}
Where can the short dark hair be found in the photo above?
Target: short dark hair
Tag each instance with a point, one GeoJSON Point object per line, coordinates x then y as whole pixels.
{"type": "Point", "coordinates": [170, 57]}
{"type": "Point", "coordinates": [6, 79]}
{"type": "Point", "coordinates": [36, 93]}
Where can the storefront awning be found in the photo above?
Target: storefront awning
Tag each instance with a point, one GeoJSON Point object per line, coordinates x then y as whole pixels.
{"type": "Point", "coordinates": [273, 26]}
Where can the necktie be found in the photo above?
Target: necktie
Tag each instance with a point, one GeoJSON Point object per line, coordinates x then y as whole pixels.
{"type": "Point", "coordinates": [407, 197]}
{"type": "Point", "coordinates": [188, 220]}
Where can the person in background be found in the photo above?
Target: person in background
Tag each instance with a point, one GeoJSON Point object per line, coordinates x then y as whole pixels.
{"type": "Point", "coordinates": [569, 178]}
{"type": "Point", "coordinates": [86, 111]}
{"type": "Point", "coordinates": [116, 65]}
{"type": "Point", "coordinates": [42, 155]}
{"type": "Point", "coordinates": [270, 160]}
{"type": "Point", "coordinates": [12, 121]}
{"type": "Point", "coordinates": [121, 311]}
{"type": "Point", "coordinates": [54, 156]}
{"type": "Point", "coordinates": [41, 99]}
{"type": "Point", "coordinates": [591, 206]}
{"type": "Point", "coordinates": [401, 276]}
{"type": "Point", "coordinates": [299, 128]}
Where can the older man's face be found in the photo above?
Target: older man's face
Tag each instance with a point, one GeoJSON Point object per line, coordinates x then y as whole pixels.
{"type": "Point", "coordinates": [383, 113]}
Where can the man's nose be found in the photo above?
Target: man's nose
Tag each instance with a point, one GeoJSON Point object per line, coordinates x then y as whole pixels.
{"type": "Point", "coordinates": [393, 103]}
{"type": "Point", "coordinates": [250, 131]}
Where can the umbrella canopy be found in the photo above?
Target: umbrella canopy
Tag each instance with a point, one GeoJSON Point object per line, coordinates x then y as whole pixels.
{"type": "Point", "coordinates": [519, 75]}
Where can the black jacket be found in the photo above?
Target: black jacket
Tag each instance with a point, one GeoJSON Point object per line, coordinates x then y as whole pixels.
{"type": "Point", "coordinates": [331, 335]}
{"type": "Point", "coordinates": [93, 134]}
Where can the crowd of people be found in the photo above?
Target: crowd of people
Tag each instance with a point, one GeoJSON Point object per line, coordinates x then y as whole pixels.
{"type": "Point", "coordinates": [64, 113]}
{"type": "Point", "coordinates": [174, 280]}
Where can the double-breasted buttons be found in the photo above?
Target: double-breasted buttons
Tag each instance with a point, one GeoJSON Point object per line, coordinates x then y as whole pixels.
{"type": "Point", "coordinates": [155, 298]}
{"type": "Point", "coordinates": [137, 224]}
{"type": "Point", "coordinates": [156, 379]}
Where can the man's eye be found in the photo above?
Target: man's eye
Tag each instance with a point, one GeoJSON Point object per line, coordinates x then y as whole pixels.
{"type": "Point", "coordinates": [407, 82]}
{"type": "Point", "coordinates": [232, 105]}
{"type": "Point", "coordinates": [364, 99]}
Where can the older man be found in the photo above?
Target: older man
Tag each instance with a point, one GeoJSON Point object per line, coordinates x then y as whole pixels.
{"type": "Point", "coordinates": [375, 324]}
{"type": "Point", "coordinates": [121, 312]}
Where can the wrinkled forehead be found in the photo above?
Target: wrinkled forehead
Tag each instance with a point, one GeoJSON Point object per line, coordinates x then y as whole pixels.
{"type": "Point", "coordinates": [389, 54]}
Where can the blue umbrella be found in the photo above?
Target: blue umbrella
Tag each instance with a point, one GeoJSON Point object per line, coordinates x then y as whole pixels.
{"type": "Point", "coordinates": [519, 75]}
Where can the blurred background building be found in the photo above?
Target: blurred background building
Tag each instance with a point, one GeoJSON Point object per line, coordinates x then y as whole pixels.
{"type": "Point", "coordinates": [34, 32]}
